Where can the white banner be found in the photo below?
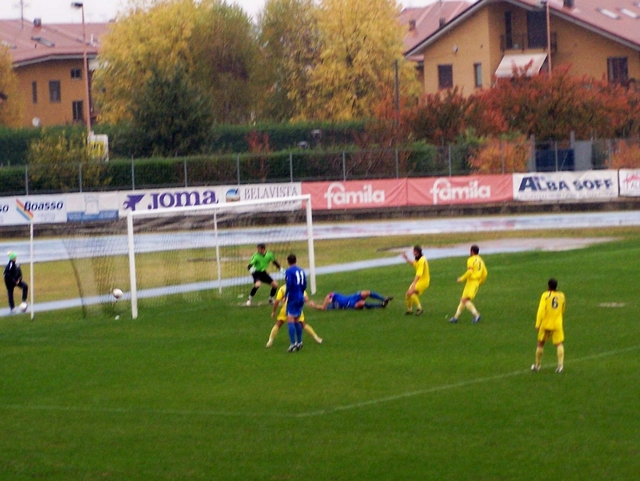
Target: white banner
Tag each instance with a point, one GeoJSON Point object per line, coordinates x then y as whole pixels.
{"type": "Point", "coordinates": [629, 182]}
{"type": "Point", "coordinates": [196, 196]}
{"type": "Point", "coordinates": [92, 206]}
{"type": "Point", "coordinates": [36, 209]}
{"type": "Point", "coordinates": [593, 184]}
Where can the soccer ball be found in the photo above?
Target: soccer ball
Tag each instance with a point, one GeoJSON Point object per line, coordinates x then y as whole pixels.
{"type": "Point", "coordinates": [117, 293]}
{"type": "Point", "coordinates": [23, 307]}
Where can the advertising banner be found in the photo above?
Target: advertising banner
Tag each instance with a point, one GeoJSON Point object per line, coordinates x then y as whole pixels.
{"type": "Point", "coordinates": [154, 199]}
{"type": "Point", "coordinates": [473, 189]}
{"type": "Point", "coordinates": [356, 194]}
{"type": "Point", "coordinates": [92, 206]}
{"type": "Point", "coordinates": [36, 209]}
{"type": "Point", "coordinates": [593, 184]}
{"type": "Point", "coordinates": [629, 182]}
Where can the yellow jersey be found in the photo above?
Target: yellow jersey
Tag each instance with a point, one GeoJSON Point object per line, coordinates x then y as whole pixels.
{"type": "Point", "coordinates": [422, 271]}
{"type": "Point", "coordinates": [550, 311]}
{"type": "Point", "coordinates": [476, 270]}
{"type": "Point", "coordinates": [280, 297]}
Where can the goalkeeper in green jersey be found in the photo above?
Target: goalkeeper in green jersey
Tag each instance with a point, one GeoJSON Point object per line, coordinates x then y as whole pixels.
{"type": "Point", "coordinates": [258, 268]}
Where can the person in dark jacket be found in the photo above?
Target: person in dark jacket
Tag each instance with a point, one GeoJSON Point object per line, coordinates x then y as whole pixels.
{"type": "Point", "coordinates": [12, 278]}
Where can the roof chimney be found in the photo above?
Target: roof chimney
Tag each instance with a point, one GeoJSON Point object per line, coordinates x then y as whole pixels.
{"type": "Point", "coordinates": [412, 25]}
{"type": "Point", "coordinates": [568, 3]}
{"type": "Point", "coordinates": [443, 22]}
{"type": "Point", "coordinates": [37, 22]}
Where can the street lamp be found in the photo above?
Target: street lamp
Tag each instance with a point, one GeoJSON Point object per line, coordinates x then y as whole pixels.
{"type": "Point", "coordinates": [87, 109]}
{"type": "Point", "coordinates": [545, 4]}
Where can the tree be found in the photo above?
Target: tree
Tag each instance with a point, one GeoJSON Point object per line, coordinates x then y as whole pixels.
{"type": "Point", "coordinates": [10, 105]}
{"type": "Point", "coordinates": [361, 41]}
{"type": "Point", "coordinates": [214, 42]}
{"type": "Point", "coordinates": [171, 116]}
{"type": "Point", "coordinates": [289, 39]}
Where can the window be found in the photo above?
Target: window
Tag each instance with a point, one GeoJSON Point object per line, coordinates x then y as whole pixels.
{"type": "Point", "coordinates": [78, 110]}
{"type": "Point", "coordinates": [537, 29]}
{"type": "Point", "coordinates": [508, 30]}
{"type": "Point", "coordinates": [54, 91]}
{"type": "Point", "coordinates": [76, 73]}
{"type": "Point", "coordinates": [618, 70]}
{"type": "Point", "coordinates": [34, 92]}
{"type": "Point", "coordinates": [477, 74]}
{"type": "Point", "coordinates": [445, 76]}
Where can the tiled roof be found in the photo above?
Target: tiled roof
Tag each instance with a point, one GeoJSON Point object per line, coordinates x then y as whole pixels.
{"type": "Point", "coordinates": [424, 21]}
{"type": "Point", "coordinates": [30, 43]}
{"type": "Point", "coordinates": [615, 19]}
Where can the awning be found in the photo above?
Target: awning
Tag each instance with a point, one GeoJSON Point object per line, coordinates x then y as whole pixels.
{"type": "Point", "coordinates": [520, 61]}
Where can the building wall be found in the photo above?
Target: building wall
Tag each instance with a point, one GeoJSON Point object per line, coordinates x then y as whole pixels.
{"type": "Point", "coordinates": [50, 113]}
{"type": "Point", "coordinates": [478, 41]}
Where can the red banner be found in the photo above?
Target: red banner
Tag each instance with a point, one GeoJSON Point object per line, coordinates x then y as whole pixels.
{"type": "Point", "coordinates": [357, 194]}
{"type": "Point", "coordinates": [473, 189]}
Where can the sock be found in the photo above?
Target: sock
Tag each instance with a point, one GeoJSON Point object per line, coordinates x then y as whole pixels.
{"type": "Point", "coordinates": [292, 332]}
{"type": "Point", "coordinates": [298, 327]}
{"type": "Point", "coordinates": [472, 308]}
{"type": "Point", "coordinates": [459, 311]}
{"type": "Point", "coordinates": [274, 332]}
{"type": "Point", "coordinates": [310, 330]}
{"type": "Point", "coordinates": [539, 351]}
{"type": "Point", "coordinates": [375, 295]}
{"type": "Point", "coordinates": [253, 292]}
{"type": "Point", "coordinates": [273, 292]}
{"type": "Point", "coordinates": [560, 354]}
{"type": "Point", "coordinates": [368, 305]}
{"type": "Point", "coordinates": [416, 300]}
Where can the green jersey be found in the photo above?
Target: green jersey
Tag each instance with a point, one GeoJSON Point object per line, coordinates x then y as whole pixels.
{"type": "Point", "coordinates": [261, 262]}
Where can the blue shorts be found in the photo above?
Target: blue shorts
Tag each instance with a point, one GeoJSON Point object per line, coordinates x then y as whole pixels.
{"type": "Point", "coordinates": [294, 308]}
{"type": "Point", "coordinates": [340, 301]}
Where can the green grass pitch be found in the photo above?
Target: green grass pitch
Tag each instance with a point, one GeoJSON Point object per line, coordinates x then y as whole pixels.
{"type": "Point", "coordinates": [189, 392]}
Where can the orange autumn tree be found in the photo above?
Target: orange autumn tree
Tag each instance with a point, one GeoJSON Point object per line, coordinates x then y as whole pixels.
{"type": "Point", "coordinates": [502, 155]}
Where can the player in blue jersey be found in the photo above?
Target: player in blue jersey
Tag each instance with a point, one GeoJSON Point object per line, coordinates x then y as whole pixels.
{"type": "Point", "coordinates": [296, 283]}
{"type": "Point", "coordinates": [357, 300]}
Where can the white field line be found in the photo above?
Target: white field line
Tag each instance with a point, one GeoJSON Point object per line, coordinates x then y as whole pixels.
{"type": "Point", "coordinates": [321, 412]}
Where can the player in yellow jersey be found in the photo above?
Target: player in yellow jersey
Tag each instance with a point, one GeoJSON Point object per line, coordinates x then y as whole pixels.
{"type": "Point", "coordinates": [549, 323]}
{"type": "Point", "coordinates": [475, 276]}
{"type": "Point", "coordinates": [282, 317]}
{"type": "Point", "coordinates": [420, 281]}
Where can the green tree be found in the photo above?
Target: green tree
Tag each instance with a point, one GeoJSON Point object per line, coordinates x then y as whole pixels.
{"type": "Point", "coordinates": [290, 44]}
{"type": "Point", "coordinates": [10, 107]}
{"type": "Point", "coordinates": [361, 41]}
{"type": "Point", "coordinates": [171, 116]}
{"type": "Point", "coordinates": [61, 161]}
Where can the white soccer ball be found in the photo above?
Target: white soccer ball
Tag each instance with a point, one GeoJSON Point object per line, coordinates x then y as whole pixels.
{"type": "Point", "coordinates": [117, 293]}
{"type": "Point", "coordinates": [23, 306]}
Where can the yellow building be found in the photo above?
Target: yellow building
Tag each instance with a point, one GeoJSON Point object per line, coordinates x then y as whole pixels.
{"type": "Point", "coordinates": [594, 38]}
{"type": "Point", "coordinates": [48, 62]}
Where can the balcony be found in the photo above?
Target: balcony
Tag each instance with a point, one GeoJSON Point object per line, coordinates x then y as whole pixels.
{"type": "Point", "coordinates": [522, 42]}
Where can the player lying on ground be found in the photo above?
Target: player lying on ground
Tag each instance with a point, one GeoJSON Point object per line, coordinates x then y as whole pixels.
{"type": "Point", "coordinates": [335, 300]}
{"type": "Point", "coordinates": [282, 317]}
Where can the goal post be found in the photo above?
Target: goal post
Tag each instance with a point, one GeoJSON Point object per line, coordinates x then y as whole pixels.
{"type": "Point", "coordinates": [206, 248]}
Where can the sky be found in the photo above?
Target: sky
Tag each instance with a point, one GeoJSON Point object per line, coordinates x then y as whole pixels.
{"type": "Point", "coordinates": [60, 11]}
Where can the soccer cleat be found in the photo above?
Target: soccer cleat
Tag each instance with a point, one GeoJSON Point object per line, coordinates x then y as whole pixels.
{"type": "Point", "coordinates": [386, 301]}
{"type": "Point", "coordinates": [269, 343]}
{"type": "Point", "coordinates": [419, 312]}
{"type": "Point", "coordinates": [292, 348]}
{"type": "Point", "coordinates": [299, 346]}
{"type": "Point", "coordinates": [453, 320]}
{"type": "Point", "coordinates": [477, 319]}
{"type": "Point", "coordinates": [560, 369]}
{"type": "Point", "coordinates": [248, 302]}
{"type": "Point", "coordinates": [318, 340]}
{"type": "Point", "coordinates": [408, 313]}
{"type": "Point", "coordinates": [535, 368]}
{"type": "Point", "coordinates": [271, 300]}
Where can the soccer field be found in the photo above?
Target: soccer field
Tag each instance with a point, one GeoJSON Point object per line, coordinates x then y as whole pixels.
{"type": "Point", "coordinates": [188, 391]}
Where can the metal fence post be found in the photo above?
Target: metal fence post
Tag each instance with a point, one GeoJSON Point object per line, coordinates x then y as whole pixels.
{"type": "Point", "coordinates": [450, 160]}
{"type": "Point", "coordinates": [502, 154]}
{"type": "Point", "coordinates": [344, 166]}
{"type": "Point", "coordinates": [80, 175]}
{"type": "Point", "coordinates": [26, 178]}
{"type": "Point", "coordinates": [238, 167]}
{"type": "Point", "coordinates": [186, 182]}
{"type": "Point", "coordinates": [397, 164]}
{"type": "Point", "coordinates": [291, 166]}
{"type": "Point", "coordinates": [555, 152]}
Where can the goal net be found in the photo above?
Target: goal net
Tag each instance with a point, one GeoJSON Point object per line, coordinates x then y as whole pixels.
{"type": "Point", "coordinates": [200, 253]}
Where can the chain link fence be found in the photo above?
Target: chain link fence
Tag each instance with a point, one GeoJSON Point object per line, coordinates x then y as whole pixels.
{"type": "Point", "coordinates": [311, 165]}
